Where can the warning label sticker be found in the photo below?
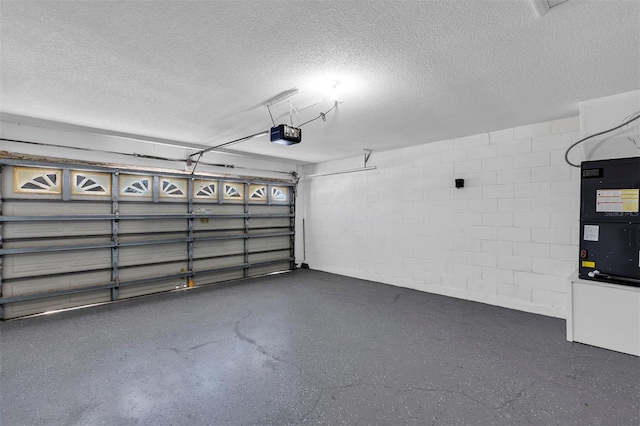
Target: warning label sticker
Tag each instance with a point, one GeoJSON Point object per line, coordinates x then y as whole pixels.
{"type": "Point", "coordinates": [591, 232]}
{"type": "Point", "coordinates": [617, 200]}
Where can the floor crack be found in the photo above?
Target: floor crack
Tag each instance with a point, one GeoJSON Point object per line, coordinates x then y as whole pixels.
{"type": "Point", "coordinates": [208, 343]}
{"type": "Point", "coordinates": [517, 396]}
{"type": "Point", "coordinates": [181, 351]}
{"type": "Point", "coordinates": [260, 348]}
{"type": "Point", "coordinates": [315, 404]}
{"type": "Point", "coordinates": [354, 385]}
{"type": "Point", "coordinates": [444, 390]}
{"type": "Point", "coordinates": [347, 386]}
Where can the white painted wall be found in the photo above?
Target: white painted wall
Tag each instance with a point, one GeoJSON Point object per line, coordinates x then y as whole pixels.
{"type": "Point", "coordinates": [118, 146]}
{"type": "Point", "coordinates": [509, 237]}
{"type": "Point", "coordinates": [600, 114]}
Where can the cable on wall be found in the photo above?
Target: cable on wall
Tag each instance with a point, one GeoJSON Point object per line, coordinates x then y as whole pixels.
{"type": "Point", "coordinates": [633, 140]}
{"type": "Point", "coordinates": [634, 116]}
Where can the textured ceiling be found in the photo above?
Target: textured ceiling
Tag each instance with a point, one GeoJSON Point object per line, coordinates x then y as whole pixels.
{"type": "Point", "coordinates": [411, 71]}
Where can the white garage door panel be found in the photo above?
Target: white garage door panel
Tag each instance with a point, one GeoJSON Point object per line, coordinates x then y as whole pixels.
{"type": "Point", "coordinates": [218, 235]}
{"type": "Point", "coordinates": [152, 225]}
{"type": "Point", "coordinates": [209, 208]}
{"type": "Point", "coordinates": [215, 223]}
{"type": "Point", "coordinates": [25, 265]}
{"type": "Point", "coordinates": [269, 223]}
{"type": "Point", "coordinates": [261, 270]}
{"type": "Point", "coordinates": [146, 238]}
{"type": "Point", "coordinates": [142, 272]}
{"type": "Point", "coordinates": [256, 233]}
{"type": "Point", "coordinates": [268, 256]}
{"type": "Point", "coordinates": [273, 209]}
{"type": "Point", "coordinates": [78, 241]}
{"type": "Point", "coordinates": [54, 208]}
{"type": "Point", "coordinates": [218, 277]}
{"type": "Point", "coordinates": [217, 247]}
{"type": "Point", "coordinates": [151, 208]}
{"type": "Point", "coordinates": [270, 243]}
{"type": "Point", "coordinates": [155, 287]}
{"type": "Point", "coordinates": [61, 282]}
{"type": "Point", "coordinates": [34, 229]}
{"type": "Point", "coordinates": [55, 229]}
{"type": "Point", "coordinates": [142, 255]}
{"type": "Point", "coordinates": [18, 309]}
{"type": "Point", "coordinates": [222, 262]}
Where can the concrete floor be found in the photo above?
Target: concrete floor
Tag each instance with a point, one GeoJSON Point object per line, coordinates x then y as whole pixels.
{"type": "Point", "coordinates": [306, 348]}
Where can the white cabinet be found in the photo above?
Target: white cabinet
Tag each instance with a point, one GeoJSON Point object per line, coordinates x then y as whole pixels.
{"type": "Point", "coordinates": [604, 315]}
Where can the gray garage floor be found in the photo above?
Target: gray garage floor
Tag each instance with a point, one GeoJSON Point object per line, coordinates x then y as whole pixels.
{"type": "Point", "coordinates": [307, 348]}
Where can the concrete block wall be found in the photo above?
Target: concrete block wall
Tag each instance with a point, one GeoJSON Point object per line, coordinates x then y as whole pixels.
{"type": "Point", "coordinates": [509, 237]}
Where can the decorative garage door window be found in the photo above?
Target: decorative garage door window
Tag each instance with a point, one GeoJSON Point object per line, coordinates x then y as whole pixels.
{"type": "Point", "coordinates": [233, 191]}
{"type": "Point", "coordinates": [36, 180]}
{"type": "Point", "coordinates": [90, 183]}
{"type": "Point", "coordinates": [258, 193]}
{"type": "Point", "coordinates": [205, 189]}
{"type": "Point", "coordinates": [279, 194]}
{"type": "Point", "coordinates": [136, 186]}
{"type": "Point", "coordinates": [173, 188]}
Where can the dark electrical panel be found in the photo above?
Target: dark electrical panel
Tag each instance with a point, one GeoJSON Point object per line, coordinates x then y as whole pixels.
{"type": "Point", "coordinates": [610, 221]}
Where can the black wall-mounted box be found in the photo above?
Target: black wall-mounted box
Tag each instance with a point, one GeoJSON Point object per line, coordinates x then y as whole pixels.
{"type": "Point", "coordinates": [610, 221]}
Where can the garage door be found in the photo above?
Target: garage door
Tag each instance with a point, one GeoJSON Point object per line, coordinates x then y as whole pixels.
{"type": "Point", "coordinates": [79, 235]}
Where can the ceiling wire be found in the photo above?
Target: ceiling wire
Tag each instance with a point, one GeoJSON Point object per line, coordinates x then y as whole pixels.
{"type": "Point", "coordinates": [233, 142]}
{"type": "Point", "coordinates": [270, 115]}
{"type": "Point", "coordinates": [635, 116]}
{"type": "Point", "coordinates": [322, 114]}
{"type": "Point", "coordinates": [291, 110]}
{"type": "Point", "coordinates": [279, 98]}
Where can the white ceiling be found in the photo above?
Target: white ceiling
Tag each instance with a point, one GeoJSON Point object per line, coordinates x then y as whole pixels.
{"type": "Point", "coordinates": [411, 71]}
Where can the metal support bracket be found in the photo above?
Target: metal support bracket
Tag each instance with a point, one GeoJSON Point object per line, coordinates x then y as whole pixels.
{"type": "Point", "coordinates": [66, 184]}
{"type": "Point", "coordinates": [292, 225]}
{"type": "Point", "coordinates": [246, 228]}
{"type": "Point", "coordinates": [156, 188]}
{"type": "Point", "coordinates": [190, 230]}
{"type": "Point", "coordinates": [367, 154]}
{"type": "Point", "coordinates": [115, 230]}
{"type": "Point", "coordinates": [1, 258]}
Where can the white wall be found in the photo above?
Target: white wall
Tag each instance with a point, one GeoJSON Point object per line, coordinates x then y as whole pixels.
{"type": "Point", "coordinates": [600, 114]}
{"type": "Point", "coordinates": [118, 147]}
{"type": "Point", "coordinates": [509, 237]}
